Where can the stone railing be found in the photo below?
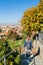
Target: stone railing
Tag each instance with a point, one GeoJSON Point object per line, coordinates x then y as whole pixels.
{"type": "Point", "coordinates": [41, 37]}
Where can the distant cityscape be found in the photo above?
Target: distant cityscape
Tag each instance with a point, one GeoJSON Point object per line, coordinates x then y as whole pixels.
{"type": "Point", "coordinates": [5, 28]}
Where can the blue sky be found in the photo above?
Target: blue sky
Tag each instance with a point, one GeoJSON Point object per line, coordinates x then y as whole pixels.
{"type": "Point", "coordinates": [11, 11]}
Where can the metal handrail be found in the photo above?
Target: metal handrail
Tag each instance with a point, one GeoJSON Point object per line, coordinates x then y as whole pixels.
{"type": "Point", "coordinates": [4, 58]}
{"type": "Point", "coordinates": [6, 55]}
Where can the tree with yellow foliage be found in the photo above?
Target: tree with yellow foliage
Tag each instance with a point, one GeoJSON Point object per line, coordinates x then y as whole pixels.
{"type": "Point", "coordinates": [33, 18]}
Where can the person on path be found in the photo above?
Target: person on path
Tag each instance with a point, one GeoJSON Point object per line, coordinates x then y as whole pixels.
{"type": "Point", "coordinates": [28, 46]}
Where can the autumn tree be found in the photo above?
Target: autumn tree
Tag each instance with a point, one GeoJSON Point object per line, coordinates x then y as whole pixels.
{"type": "Point", "coordinates": [33, 18]}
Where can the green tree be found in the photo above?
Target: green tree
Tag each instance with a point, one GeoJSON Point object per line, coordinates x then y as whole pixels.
{"type": "Point", "coordinates": [5, 48]}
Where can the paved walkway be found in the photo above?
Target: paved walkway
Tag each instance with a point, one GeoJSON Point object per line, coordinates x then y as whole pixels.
{"type": "Point", "coordinates": [39, 59]}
